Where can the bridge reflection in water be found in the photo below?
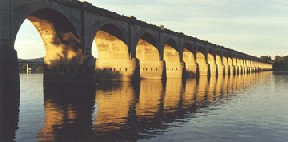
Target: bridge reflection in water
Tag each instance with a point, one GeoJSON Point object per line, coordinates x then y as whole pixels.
{"type": "Point", "coordinates": [125, 112]}
{"type": "Point", "coordinates": [122, 111]}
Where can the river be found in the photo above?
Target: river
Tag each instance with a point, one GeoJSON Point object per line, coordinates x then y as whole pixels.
{"type": "Point", "coordinates": [249, 107]}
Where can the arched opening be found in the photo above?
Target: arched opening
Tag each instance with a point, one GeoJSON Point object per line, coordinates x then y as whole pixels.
{"type": "Point", "coordinates": [56, 53]}
{"type": "Point", "coordinates": [219, 62]}
{"type": "Point", "coordinates": [172, 59]}
{"type": "Point", "coordinates": [211, 59]}
{"type": "Point", "coordinates": [239, 66]}
{"type": "Point", "coordinates": [62, 44]}
{"type": "Point", "coordinates": [249, 67]}
{"type": "Point", "coordinates": [225, 63]}
{"type": "Point", "coordinates": [243, 66]}
{"type": "Point", "coordinates": [112, 59]}
{"type": "Point", "coordinates": [230, 64]}
{"type": "Point", "coordinates": [235, 64]}
{"type": "Point", "coordinates": [146, 51]}
{"type": "Point", "coordinates": [202, 61]}
{"type": "Point", "coordinates": [188, 58]}
{"type": "Point", "coordinates": [212, 62]}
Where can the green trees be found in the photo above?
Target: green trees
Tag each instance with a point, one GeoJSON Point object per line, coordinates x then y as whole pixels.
{"type": "Point", "coordinates": [280, 63]}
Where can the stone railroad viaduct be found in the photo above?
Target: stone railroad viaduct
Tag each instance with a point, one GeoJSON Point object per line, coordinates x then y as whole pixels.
{"type": "Point", "coordinates": [127, 48]}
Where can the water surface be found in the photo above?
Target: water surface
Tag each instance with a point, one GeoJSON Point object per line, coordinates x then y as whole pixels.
{"type": "Point", "coordinates": [242, 108]}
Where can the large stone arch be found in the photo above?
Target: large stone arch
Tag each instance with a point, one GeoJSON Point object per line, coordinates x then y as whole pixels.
{"type": "Point", "coordinates": [147, 51]}
{"type": "Point", "coordinates": [189, 60]}
{"type": "Point", "coordinates": [64, 60]}
{"type": "Point", "coordinates": [211, 55]}
{"type": "Point", "coordinates": [113, 60]}
{"type": "Point", "coordinates": [219, 56]}
{"type": "Point", "coordinates": [171, 56]}
{"type": "Point", "coordinates": [153, 35]}
{"type": "Point", "coordinates": [230, 60]}
{"type": "Point", "coordinates": [211, 58]}
{"type": "Point", "coordinates": [225, 59]}
{"type": "Point", "coordinates": [24, 9]}
{"type": "Point", "coordinates": [61, 42]}
{"type": "Point", "coordinates": [99, 24]}
{"type": "Point", "coordinates": [239, 64]}
{"type": "Point", "coordinates": [201, 59]}
{"type": "Point", "coordinates": [219, 61]}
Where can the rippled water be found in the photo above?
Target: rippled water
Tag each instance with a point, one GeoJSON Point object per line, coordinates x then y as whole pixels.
{"type": "Point", "coordinates": [242, 108]}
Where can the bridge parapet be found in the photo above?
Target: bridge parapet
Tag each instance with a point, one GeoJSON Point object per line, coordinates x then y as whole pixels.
{"type": "Point", "coordinates": [88, 21]}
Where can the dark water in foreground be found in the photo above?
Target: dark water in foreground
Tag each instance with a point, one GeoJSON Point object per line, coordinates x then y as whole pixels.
{"type": "Point", "coordinates": [242, 108]}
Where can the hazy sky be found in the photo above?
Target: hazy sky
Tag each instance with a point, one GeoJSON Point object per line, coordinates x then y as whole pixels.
{"type": "Point", "coordinates": [256, 27]}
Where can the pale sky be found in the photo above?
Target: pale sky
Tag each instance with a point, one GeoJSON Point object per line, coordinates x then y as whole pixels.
{"type": "Point", "coordinates": [255, 27]}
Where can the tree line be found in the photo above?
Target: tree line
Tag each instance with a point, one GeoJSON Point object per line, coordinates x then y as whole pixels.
{"type": "Point", "coordinates": [280, 63]}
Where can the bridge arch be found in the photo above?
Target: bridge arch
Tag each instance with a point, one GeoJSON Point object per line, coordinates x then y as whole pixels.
{"type": "Point", "coordinates": [189, 59]}
{"type": "Point", "coordinates": [225, 62]}
{"type": "Point", "coordinates": [149, 35]}
{"type": "Point", "coordinates": [113, 61]}
{"type": "Point", "coordinates": [60, 37]}
{"type": "Point", "coordinates": [211, 56]}
{"type": "Point", "coordinates": [29, 8]}
{"type": "Point", "coordinates": [219, 61]}
{"type": "Point", "coordinates": [201, 59]}
{"type": "Point", "coordinates": [147, 52]}
{"type": "Point", "coordinates": [219, 55]}
{"type": "Point", "coordinates": [211, 61]}
{"type": "Point", "coordinates": [172, 59]}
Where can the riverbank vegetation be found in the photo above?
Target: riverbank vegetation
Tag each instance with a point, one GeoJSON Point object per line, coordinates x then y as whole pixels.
{"type": "Point", "coordinates": [280, 63]}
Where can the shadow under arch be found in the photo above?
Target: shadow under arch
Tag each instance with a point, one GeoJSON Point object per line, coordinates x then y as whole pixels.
{"type": "Point", "coordinates": [174, 67]}
{"type": "Point", "coordinates": [219, 62]}
{"type": "Point", "coordinates": [201, 59]}
{"type": "Point", "coordinates": [151, 67]}
{"type": "Point", "coordinates": [113, 62]}
{"type": "Point", "coordinates": [230, 64]}
{"type": "Point", "coordinates": [68, 113]}
{"type": "Point", "coordinates": [63, 61]}
{"type": "Point", "coordinates": [64, 56]}
{"type": "Point", "coordinates": [225, 58]}
{"type": "Point", "coordinates": [211, 61]}
{"type": "Point", "coordinates": [189, 59]}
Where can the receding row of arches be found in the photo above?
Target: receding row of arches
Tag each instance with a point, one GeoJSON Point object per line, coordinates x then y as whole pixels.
{"type": "Point", "coordinates": [114, 59]}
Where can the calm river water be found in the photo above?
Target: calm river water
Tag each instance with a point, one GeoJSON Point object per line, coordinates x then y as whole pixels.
{"type": "Point", "coordinates": [242, 108]}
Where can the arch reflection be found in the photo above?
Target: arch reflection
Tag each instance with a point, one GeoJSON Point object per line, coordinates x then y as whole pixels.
{"type": "Point", "coordinates": [68, 112]}
{"type": "Point", "coordinates": [122, 111]}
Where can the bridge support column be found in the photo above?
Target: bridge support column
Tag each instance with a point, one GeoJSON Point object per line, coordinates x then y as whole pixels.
{"type": "Point", "coordinates": [226, 69]}
{"type": "Point", "coordinates": [230, 69]}
{"type": "Point", "coordinates": [153, 71]}
{"type": "Point", "coordinates": [235, 70]}
{"type": "Point", "coordinates": [9, 75]}
{"type": "Point", "coordinates": [220, 69]}
{"type": "Point", "coordinates": [204, 69]}
{"type": "Point", "coordinates": [252, 69]}
{"type": "Point", "coordinates": [9, 92]}
{"type": "Point", "coordinates": [239, 70]}
{"type": "Point", "coordinates": [191, 70]}
{"type": "Point", "coordinates": [244, 71]}
{"type": "Point", "coordinates": [248, 70]}
{"type": "Point", "coordinates": [182, 66]}
{"type": "Point", "coordinates": [213, 69]}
